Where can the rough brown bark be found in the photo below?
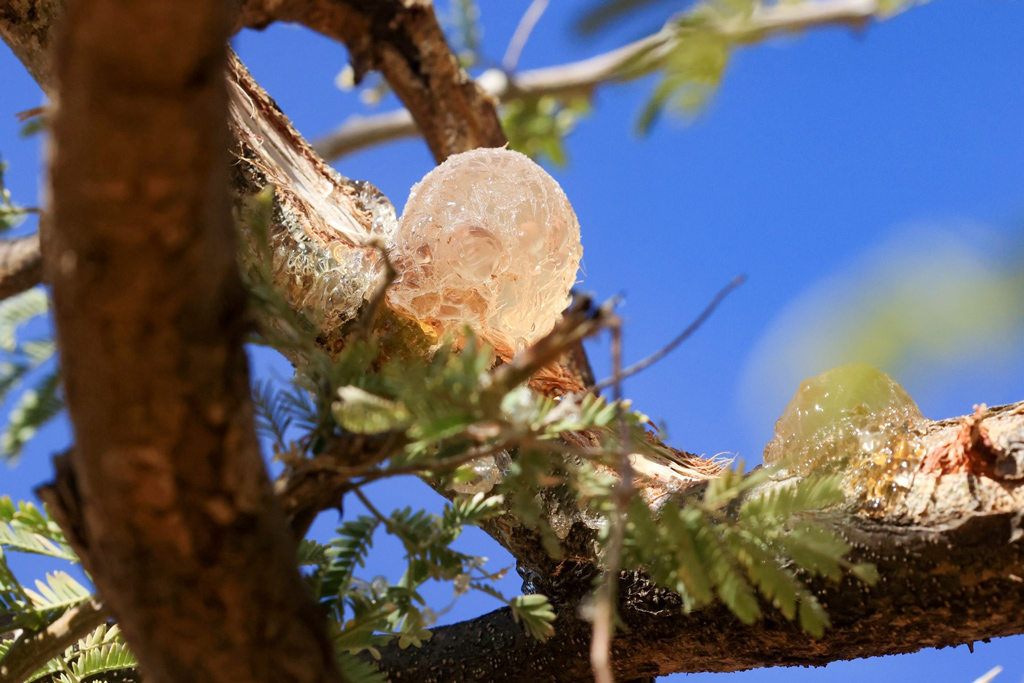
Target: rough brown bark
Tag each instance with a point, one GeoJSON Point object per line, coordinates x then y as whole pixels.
{"type": "Point", "coordinates": [403, 40]}
{"type": "Point", "coordinates": [29, 27]}
{"type": "Point", "coordinates": [175, 520]}
{"type": "Point", "coordinates": [940, 588]}
{"type": "Point", "coordinates": [950, 554]}
{"type": "Point", "coordinates": [21, 265]}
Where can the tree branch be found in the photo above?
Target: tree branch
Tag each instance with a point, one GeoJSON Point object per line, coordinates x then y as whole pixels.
{"type": "Point", "coordinates": [582, 78]}
{"type": "Point", "coordinates": [950, 555]}
{"type": "Point", "coordinates": [30, 649]}
{"type": "Point", "coordinates": [29, 29]}
{"type": "Point", "coordinates": [360, 132]}
{"type": "Point", "coordinates": [21, 265]}
{"type": "Point", "coordinates": [175, 519]}
{"type": "Point", "coordinates": [403, 40]}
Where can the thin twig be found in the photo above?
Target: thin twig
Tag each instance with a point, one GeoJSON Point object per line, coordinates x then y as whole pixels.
{"type": "Point", "coordinates": [622, 494]}
{"type": "Point", "coordinates": [359, 132]}
{"type": "Point", "coordinates": [445, 464]}
{"type": "Point", "coordinates": [598, 455]}
{"type": "Point", "coordinates": [23, 116]}
{"type": "Point", "coordinates": [372, 508]}
{"type": "Point", "coordinates": [369, 315]}
{"type": "Point", "coordinates": [582, 77]}
{"type": "Point", "coordinates": [579, 321]}
{"type": "Point", "coordinates": [989, 675]}
{"type": "Point", "coordinates": [522, 34]}
{"type": "Point", "coordinates": [683, 336]}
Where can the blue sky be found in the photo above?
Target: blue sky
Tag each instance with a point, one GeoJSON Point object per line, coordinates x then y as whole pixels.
{"type": "Point", "coordinates": [825, 164]}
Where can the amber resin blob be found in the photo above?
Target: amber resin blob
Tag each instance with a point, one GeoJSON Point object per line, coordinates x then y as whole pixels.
{"type": "Point", "coordinates": [857, 420]}
{"type": "Point", "coordinates": [487, 239]}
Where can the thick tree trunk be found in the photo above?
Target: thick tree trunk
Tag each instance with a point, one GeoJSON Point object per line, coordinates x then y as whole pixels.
{"type": "Point", "coordinates": [173, 512]}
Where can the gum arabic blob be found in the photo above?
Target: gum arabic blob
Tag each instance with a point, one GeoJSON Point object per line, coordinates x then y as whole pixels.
{"type": "Point", "coordinates": [857, 420]}
{"type": "Point", "coordinates": [487, 239]}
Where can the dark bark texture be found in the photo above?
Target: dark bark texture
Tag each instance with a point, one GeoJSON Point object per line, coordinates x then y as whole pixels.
{"type": "Point", "coordinates": [940, 589]}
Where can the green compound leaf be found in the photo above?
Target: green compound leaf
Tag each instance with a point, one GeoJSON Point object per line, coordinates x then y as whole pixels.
{"type": "Point", "coordinates": [361, 412]}
{"type": "Point", "coordinates": [34, 408]}
{"type": "Point", "coordinates": [24, 528]}
{"type": "Point", "coordinates": [536, 614]}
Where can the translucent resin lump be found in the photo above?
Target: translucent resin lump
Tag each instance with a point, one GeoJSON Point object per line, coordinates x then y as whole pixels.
{"type": "Point", "coordinates": [487, 239]}
{"type": "Point", "coordinates": [857, 420]}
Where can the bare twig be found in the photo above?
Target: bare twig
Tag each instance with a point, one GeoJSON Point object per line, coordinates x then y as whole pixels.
{"type": "Point", "coordinates": [373, 509]}
{"type": "Point", "coordinates": [990, 675]}
{"type": "Point", "coordinates": [522, 34]}
{"type": "Point", "coordinates": [581, 78]}
{"type": "Point", "coordinates": [443, 465]}
{"type": "Point", "coordinates": [683, 336]}
{"type": "Point", "coordinates": [622, 494]}
{"type": "Point", "coordinates": [360, 132]}
{"type": "Point", "coordinates": [579, 321]}
{"type": "Point", "coordinates": [369, 314]}
{"type": "Point", "coordinates": [23, 116]}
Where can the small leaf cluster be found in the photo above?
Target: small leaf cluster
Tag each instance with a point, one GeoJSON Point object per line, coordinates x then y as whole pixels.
{"type": "Point", "coordinates": [24, 528]}
{"type": "Point", "coordinates": [743, 539]}
{"type": "Point", "coordinates": [27, 361]}
{"type": "Point", "coordinates": [538, 126]}
{"type": "Point", "coordinates": [367, 614]}
{"type": "Point", "coordinates": [443, 412]}
{"type": "Point", "coordinates": [11, 214]}
{"type": "Point", "coordinates": [694, 48]}
{"type": "Point", "coordinates": [27, 355]}
{"type": "Point", "coordinates": [691, 59]}
{"type": "Point", "coordinates": [101, 652]}
{"type": "Point", "coordinates": [465, 22]}
{"type": "Point", "coordinates": [27, 529]}
{"type": "Point", "coordinates": [32, 608]}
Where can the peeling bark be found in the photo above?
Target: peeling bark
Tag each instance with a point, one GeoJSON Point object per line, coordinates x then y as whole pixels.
{"type": "Point", "coordinates": [174, 516]}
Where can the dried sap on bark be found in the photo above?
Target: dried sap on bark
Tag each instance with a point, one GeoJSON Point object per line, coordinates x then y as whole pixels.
{"type": "Point", "coordinates": [481, 475]}
{"type": "Point", "coordinates": [857, 420]}
{"type": "Point", "coordinates": [487, 239]}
